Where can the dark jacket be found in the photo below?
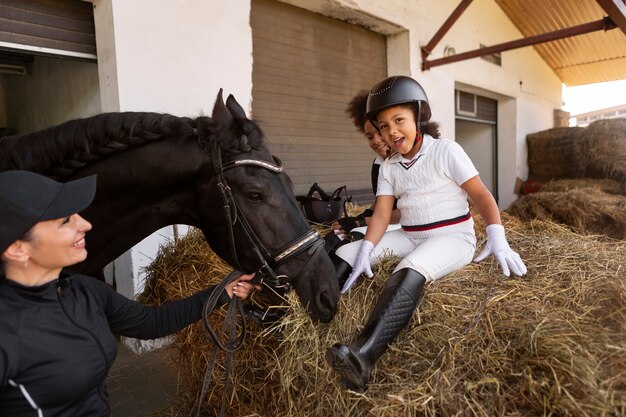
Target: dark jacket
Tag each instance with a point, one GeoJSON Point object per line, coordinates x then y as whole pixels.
{"type": "Point", "coordinates": [374, 175]}
{"type": "Point", "coordinates": [57, 342]}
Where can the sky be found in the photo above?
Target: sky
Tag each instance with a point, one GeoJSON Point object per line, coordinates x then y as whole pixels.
{"type": "Point", "coordinates": [585, 98]}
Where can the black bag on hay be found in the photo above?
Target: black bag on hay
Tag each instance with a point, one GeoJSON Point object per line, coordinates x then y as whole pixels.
{"type": "Point", "coordinates": [324, 208]}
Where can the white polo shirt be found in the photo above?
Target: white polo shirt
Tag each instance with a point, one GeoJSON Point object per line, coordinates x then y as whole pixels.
{"type": "Point", "coordinates": [427, 187]}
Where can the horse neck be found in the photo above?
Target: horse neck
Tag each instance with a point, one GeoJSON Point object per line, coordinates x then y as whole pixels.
{"type": "Point", "coordinates": [139, 191]}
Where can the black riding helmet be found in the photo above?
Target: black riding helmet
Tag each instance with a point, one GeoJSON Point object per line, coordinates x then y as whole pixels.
{"type": "Point", "coordinates": [395, 90]}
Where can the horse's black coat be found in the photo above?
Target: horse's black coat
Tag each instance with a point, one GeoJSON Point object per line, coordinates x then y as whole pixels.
{"type": "Point", "coordinates": [156, 170]}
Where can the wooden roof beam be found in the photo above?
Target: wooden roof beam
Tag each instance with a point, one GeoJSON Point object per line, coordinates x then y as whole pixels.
{"type": "Point", "coordinates": [427, 50]}
{"type": "Point", "coordinates": [616, 9]}
{"type": "Point", "coordinates": [602, 24]}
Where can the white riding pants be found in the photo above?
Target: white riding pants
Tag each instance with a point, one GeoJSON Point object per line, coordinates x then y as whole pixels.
{"type": "Point", "coordinates": [433, 257]}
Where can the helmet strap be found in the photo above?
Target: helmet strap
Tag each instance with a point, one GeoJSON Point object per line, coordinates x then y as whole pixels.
{"type": "Point", "coordinates": [419, 117]}
{"type": "Point", "coordinates": [375, 124]}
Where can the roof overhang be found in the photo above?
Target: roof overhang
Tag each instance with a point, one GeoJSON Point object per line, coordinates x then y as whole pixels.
{"type": "Point", "coordinates": [576, 38]}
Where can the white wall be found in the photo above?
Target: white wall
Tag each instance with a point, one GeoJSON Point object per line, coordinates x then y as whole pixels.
{"type": "Point", "coordinates": [54, 91]}
{"type": "Point", "coordinates": [525, 86]}
{"type": "Point", "coordinates": [171, 57]}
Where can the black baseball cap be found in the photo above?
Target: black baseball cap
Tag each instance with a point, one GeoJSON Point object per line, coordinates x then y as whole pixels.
{"type": "Point", "coordinates": [27, 198]}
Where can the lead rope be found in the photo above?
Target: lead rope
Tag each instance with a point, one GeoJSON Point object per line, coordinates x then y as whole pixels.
{"type": "Point", "coordinates": [230, 322]}
{"type": "Point", "coordinates": [233, 342]}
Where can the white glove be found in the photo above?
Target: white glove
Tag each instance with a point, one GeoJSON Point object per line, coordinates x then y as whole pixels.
{"type": "Point", "coordinates": [361, 264]}
{"type": "Point", "coordinates": [499, 247]}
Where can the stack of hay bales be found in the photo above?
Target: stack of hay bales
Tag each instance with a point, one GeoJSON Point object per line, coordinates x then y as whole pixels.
{"type": "Point", "coordinates": [607, 149]}
{"type": "Point", "coordinates": [550, 343]}
{"type": "Point", "coordinates": [556, 153]}
{"type": "Point", "coordinates": [584, 172]}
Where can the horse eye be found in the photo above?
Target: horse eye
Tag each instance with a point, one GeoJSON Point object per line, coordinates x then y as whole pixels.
{"type": "Point", "coordinates": [254, 196]}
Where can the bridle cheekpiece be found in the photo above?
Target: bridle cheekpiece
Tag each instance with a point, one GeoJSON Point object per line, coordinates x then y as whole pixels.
{"type": "Point", "coordinates": [267, 260]}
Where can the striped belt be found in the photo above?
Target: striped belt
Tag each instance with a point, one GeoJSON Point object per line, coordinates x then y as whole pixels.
{"type": "Point", "coordinates": [436, 225]}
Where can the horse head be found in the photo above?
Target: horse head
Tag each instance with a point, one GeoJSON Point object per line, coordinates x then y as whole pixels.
{"type": "Point", "coordinates": [156, 170]}
{"type": "Point", "coordinates": [258, 223]}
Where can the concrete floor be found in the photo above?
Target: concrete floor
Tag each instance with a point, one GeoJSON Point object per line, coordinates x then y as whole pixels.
{"type": "Point", "coordinates": [141, 385]}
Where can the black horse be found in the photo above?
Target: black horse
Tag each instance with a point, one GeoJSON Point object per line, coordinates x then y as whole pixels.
{"type": "Point", "coordinates": [214, 173]}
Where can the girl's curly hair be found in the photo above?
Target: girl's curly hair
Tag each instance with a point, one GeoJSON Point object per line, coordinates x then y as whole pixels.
{"type": "Point", "coordinates": [356, 109]}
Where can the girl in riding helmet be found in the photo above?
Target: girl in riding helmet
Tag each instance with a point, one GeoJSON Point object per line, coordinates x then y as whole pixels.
{"type": "Point", "coordinates": [432, 179]}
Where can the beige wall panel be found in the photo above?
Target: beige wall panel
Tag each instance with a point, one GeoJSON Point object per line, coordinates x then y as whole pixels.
{"type": "Point", "coordinates": [306, 67]}
{"type": "Point", "coordinates": [59, 25]}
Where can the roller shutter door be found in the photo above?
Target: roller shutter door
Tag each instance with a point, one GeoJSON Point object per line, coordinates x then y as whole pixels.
{"type": "Point", "coordinates": [306, 69]}
{"type": "Point", "coordinates": [48, 27]}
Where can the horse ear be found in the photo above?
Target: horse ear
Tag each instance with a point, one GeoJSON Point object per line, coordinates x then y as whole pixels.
{"type": "Point", "coordinates": [238, 114]}
{"type": "Point", "coordinates": [235, 108]}
{"type": "Point", "coordinates": [220, 112]}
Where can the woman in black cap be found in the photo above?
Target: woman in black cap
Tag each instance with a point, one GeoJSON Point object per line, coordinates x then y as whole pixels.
{"type": "Point", "coordinates": [57, 340]}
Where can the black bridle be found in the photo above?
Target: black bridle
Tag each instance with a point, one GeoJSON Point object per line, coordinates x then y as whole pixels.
{"type": "Point", "coordinates": [265, 275]}
{"type": "Point", "coordinates": [268, 261]}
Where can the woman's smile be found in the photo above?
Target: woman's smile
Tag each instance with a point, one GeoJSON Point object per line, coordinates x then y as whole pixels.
{"type": "Point", "coordinates": [80, 244]}
{"type": "Point", "coordinates": [59, 243]}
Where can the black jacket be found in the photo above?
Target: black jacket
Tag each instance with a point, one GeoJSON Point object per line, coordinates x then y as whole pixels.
{"type": "Point", "coordinates": [374, 175]}
{"type": "Point", "coordinates": [57, 343]}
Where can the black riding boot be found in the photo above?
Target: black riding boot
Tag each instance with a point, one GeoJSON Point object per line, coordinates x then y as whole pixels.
{"type": "Point", "coordinates": [342, 269]}
{"type": "Point", "coordinates": [394, 308]}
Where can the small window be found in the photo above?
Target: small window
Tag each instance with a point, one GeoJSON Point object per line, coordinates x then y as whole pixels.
{"type": "Point", "coordinates": [493, 58]}
{"type": "Point", "coordinates": [473, 106]}
{"type": "Point", "coordinates": [465, 103]}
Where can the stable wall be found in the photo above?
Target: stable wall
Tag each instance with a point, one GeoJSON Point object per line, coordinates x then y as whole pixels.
{"type": "Point", "coordinates": [173, 56]}
{"type": "Point", "coordinates": [3, 107]}
{"type": "Point", "coordinates": [55, 90]}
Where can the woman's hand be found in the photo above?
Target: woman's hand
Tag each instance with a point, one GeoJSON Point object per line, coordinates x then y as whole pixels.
{"type": "Point", "coordinates": [241, 287]}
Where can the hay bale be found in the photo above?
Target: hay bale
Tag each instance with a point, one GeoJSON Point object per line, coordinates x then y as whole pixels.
{"type": "Point", "coordinates": [551, 343]}
{"type": "Point", "coordinates": [597, 151]}
{"type": "Point", "coordinates": [556, 153]}
{"type": "Point", "coordinates": [605, 185]}
{"type": "Point", "coordinates": [606, 154]}
{"type": "Point", "coordinates": [181, 269]}
{"type": "Point", "coordinates": [586, 210]}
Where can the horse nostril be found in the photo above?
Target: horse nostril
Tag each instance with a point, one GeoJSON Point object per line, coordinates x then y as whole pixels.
{"type": "Point", "coordinates": [326, 307]}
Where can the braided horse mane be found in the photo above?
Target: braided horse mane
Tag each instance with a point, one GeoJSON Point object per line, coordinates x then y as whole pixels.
{"type": "Point", "coordinates": [61, 150]}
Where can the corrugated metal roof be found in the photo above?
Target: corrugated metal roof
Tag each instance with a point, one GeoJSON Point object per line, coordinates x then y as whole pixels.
{"type": "Point", "coordinates": [582, 59]}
